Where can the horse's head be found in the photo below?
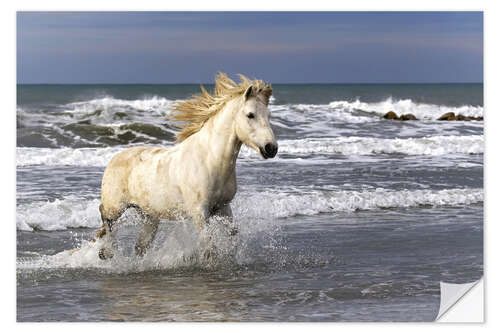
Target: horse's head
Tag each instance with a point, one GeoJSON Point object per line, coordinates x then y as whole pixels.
{"type": "Point", "coordinates": [252, 124]}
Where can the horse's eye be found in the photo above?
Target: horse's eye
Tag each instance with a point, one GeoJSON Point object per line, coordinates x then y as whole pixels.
{"type": "Point", "coordinates": [250, 116]}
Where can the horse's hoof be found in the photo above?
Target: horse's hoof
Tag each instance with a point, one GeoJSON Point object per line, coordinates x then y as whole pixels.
{"type": "Point", "coordinates": [103, 255]}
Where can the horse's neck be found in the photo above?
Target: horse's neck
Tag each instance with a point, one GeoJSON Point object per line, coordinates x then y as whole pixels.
{"type": "Point", "coordinates": [219, 142]}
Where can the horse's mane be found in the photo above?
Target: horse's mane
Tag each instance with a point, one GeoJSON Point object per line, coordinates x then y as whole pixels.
{"type": "Point", "coordinates": [193, 113]}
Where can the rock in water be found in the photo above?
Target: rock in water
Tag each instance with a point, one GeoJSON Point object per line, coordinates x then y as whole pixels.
{"type": "Point", "coordinates": [473, 118]}
{"type": "Point", "coordinates": [452, 116]}
{"type": "Point", "coordinates": [448, 116]}
{"type": "Point", "coordinates": [391, 115]}
{"type": "Point", "coordinates": [408, 116]}
{"type": "Point", "coordinates": [461, 117]}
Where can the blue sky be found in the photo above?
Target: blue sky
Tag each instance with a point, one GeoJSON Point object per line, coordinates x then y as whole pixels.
{"type": "Point", "coordinates": [280, 47]}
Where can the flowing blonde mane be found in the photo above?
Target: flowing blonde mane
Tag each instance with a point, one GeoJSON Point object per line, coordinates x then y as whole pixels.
{"type": "Point", "coordinates": [193, 113]}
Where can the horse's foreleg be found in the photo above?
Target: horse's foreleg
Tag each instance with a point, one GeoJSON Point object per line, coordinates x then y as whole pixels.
{"type": "Point", "coordinates": [200, 219]}
{"type": "Point", "coordinates": [106, 251]}
{"type": "Point", "coordinates": [226, 213]}
{"type": "Point", "coordinates": [148, 233]}
{"type": "Point", "coordinates": [207, 245]}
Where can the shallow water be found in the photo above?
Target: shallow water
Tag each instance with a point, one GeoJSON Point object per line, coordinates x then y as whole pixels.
{"type": "Point", "coordinates": [357, 219]}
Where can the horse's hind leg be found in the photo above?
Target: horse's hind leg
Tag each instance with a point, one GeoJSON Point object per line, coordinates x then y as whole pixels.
{"type": "Point", "coordinates": [147, 234]}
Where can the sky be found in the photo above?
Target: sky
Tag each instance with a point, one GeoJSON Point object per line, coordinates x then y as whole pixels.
{"type": "Point", "coordinates": [279, 47]}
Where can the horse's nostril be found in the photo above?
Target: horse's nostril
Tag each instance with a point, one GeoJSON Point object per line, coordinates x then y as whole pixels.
{"type": "Point", "coordinates": [271, 149]}
{"type": "Point", "coordinates": [268, 148]}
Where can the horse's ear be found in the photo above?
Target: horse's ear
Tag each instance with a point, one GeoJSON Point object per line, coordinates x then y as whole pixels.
{"type": "Point", "coordinates": [248, 92]}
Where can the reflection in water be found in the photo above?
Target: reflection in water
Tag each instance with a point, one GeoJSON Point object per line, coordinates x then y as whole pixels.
{"type": "Point", "coordinates": [160, 298]}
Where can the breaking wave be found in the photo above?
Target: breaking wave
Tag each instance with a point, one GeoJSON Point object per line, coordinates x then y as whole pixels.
{"type": "Point", "coordinates": [98, 157]}
{"type": "Point", "coordinates": [105, 110]}
{"type": "Point", "coordinates": [76, 212]}
{"type": "Point", "coordinates": [154, 104]}
{"type": "Point", "coordinates": [362, 112]}
{"type": "Point", "coordinates": [110, 121]}
{"type": "Point", "coordinates": [434, 145]}
{"type": "Point", "coordinates": [101, 122]}
{"type": "Point", "coordinates": [403, 106]}
{"type": "Point", "coordinates": [281, 205]}
{"type": "Point", "coordinates": [72, 212]}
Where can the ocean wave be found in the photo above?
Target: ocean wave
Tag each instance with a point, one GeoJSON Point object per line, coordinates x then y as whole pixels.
{"type": "Point", "coordinates": [110, 121]}
{"type": "Point", "coordinates": [281, 205]}
{"type": "Point", "coordinates": [157, 109]}
{"type": "Point", "coordinates": [73, 212]}
{"type": "Point", "coordinates": [362, 112]}
{"type": "Point", "coordinates": [404, 106]}
{"type": "Point", "coordinates": [153, 104]}
{"type": "Point", "coordinates": [60, 214]}
{"type": "Point", "coordinates": [102, 111]}
{"type": "Point", "coordinates": [98, 157]}
{"type": "Point", "coordinates": [314, 114]}
{"type": "Point", "coordinates": [434, 145]}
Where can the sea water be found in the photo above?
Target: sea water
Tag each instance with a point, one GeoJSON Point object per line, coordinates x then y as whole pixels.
{"type": "Point", "coordinates": [358, 218]}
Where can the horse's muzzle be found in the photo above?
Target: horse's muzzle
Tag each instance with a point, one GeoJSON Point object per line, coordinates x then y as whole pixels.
{"type": "Point", "coordinates": [269, 151]}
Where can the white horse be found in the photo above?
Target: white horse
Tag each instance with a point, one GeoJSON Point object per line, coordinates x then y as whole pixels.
{"type": "Point", "coordinates": [195, 178]}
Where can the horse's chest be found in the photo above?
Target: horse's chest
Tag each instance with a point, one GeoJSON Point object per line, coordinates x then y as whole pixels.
{"type": "Point", "coordinates": [223, 194]}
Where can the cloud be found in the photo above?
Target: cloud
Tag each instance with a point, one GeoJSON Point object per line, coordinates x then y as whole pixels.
{"type": "Point", "coordinates": [169, 40]}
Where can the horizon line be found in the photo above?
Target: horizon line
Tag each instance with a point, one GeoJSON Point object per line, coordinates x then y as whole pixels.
{"type": "Point", "coordinates": [211, 83]}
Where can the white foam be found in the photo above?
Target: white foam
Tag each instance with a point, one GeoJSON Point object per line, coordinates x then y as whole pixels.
{"type": "Point", "coordinates": [76, 212]}
{"type": "Point", "coordinates": [403, 106]}
{"type": "Point", "coordinates": [179, 246]}
{"type": "Point", "coordinates": [279, 205]}
{"type": "Point", "coordinates": [99, 157]}
{"type": "Point", "coordinates": [110, 111]}
{"type": "Point", "coordinates": [154, 104]}
{"type": "Point", "coordinates": [102, 111]}
{"type": "Point", "coordinates": [433, 145]}
{"type": "Point", "coordinates": [314, 115]}
{"type": "Point", "coordinates": [162, 106]}
{"type": "Point", "coordinates": [361, 112]}
{"type": "Point", "coordinates": [71, 212]}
